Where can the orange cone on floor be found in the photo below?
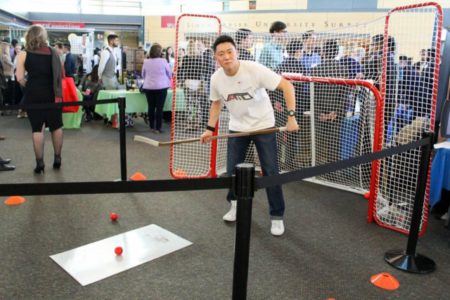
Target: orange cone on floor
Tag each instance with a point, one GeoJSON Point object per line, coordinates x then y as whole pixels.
{"type": "Point", "coordinates": [114, 121]}
{"type": "Point", "coordinates": [180, 173]}
{"type": "Point", "coordinates": [385, 281]}
{"type": "Point", "coordinates": [138, 176]}
{"type": "Point", "coordinates": [15, 200]}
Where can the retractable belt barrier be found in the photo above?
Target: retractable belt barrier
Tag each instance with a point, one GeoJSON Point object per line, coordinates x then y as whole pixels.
{"type": "Point", "coordinates": [56, 104]}
{"type": "Point", "coordinates": [244, 183]}
{"type": "Point", "coordinates": [268, 181]}
{"type": "Point", "coordinates": [169, 185]}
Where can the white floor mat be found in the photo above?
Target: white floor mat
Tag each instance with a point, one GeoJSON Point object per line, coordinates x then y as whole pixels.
{"type": "Point", "coordinates": [96, 261]}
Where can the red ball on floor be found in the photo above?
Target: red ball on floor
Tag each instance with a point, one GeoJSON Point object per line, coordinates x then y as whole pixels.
{"type": "Point", "coordinates": [114, 216]}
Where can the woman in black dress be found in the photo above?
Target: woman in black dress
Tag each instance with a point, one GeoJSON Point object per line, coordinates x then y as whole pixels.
{"type": "Point", "coordinates": [43, 85]}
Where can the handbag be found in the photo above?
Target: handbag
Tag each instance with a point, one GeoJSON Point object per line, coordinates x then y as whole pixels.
{"type": "Point", "coordinates": [69, 94]}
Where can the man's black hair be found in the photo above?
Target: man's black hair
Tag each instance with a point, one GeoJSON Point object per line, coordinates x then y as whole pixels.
{"type": "Point", "coordinates": [431, 54]}
{"type": "Point", "coordinates": [379, 40]}
{"type": "Point", "coordinates": [241, 34]}
{"type": "Point", "coordinates": [391, 44]}
{"type": "Point", "coordinates": [223, 39]}
{"type": "Point", "coordinates": [294, 46]}
{"type": "Point", "coordinates": [330, 49]}
{"type": "Point", "coordinates": [307, 35]}
{"type": "Point", "coordinates": [112, 37]}
{"type": "Point", "coordinates": [277, 26]}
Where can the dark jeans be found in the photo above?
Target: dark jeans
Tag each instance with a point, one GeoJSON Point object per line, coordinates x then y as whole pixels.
{"type": "Point", "coordinates": [9, 92]}
{"type": "Point", "coordinates": [89, 109]}
{"type": "Point", "coordinates": [155, 100]}
{"type": "Point", "coordinates": [266, 146]}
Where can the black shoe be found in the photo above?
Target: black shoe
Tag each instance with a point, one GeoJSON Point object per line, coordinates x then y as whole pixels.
{"type": "Point", "coordinates": [57, 162]}
{"type": "Point", "coordinates": [40, 166]}
{"type": "Point", "coordinates": [4, 167]}
{"type": "Point", "coordinates": [4, 161]}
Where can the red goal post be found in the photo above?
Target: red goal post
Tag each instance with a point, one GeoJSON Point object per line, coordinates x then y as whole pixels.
{"type": "Point", "coordinates": [191, 160]}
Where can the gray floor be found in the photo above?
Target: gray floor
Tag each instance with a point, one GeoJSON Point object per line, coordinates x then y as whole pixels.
{"type": "Point", "coordinates": [329, 250]}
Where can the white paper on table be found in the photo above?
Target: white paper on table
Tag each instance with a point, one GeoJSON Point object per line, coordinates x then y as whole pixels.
{"type": "Point", "coordinates": [445, 145]}
{"type": "Point", "coordinates": [96, 261]}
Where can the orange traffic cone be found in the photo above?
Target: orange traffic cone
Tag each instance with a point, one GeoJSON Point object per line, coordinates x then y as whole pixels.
{"type": "Point", "coordinates": [138, 176]}
{"type": "Point", "coordinates": [180, 173]}
{"type": "Point", "coordinates": [385, 281]}
{"type": "Point", "coordinates": [114, 121]}
{"type": "Point", "coordinates": [15, 200]}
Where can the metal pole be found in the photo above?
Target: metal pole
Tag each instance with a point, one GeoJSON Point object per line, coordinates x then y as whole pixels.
{"type": "Point", "coordinates": [244, 190]}
{"type": "Point", "coordinates": [123, 145]}
{"type": "Point", "coordinates": [408, 260]}
{"type": "Point", "coordinates": [312, 120]}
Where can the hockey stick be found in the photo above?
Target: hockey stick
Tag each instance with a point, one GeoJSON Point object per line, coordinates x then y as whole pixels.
{"type": "Point", "coordinates": [143, 139]}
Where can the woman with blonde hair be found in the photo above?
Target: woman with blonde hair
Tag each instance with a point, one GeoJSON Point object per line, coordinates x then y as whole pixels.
{"type": "Point", "coordinates": [43, 85]}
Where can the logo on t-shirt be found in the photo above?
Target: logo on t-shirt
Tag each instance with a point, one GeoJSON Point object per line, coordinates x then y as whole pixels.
{"type": "Point", "coordinates": [239, 97]}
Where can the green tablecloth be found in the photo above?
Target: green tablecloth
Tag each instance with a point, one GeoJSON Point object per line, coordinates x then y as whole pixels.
{"type": "Point", "coordinates": [73, 120]}
{"type": "Point", "coordinates": [135, 102]}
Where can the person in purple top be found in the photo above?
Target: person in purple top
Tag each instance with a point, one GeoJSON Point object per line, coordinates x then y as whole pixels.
{"type": "Point", "coordinates": [157, 77]}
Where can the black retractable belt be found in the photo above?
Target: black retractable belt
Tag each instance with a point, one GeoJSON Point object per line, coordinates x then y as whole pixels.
{"type": "Point", "coordinates": [267, 181]}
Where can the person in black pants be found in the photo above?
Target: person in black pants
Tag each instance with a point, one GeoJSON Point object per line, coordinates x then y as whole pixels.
{"type": "Point", "coordinates": [4, 162]}
{"type": "Point", "coordinates": [5, 166]}
{"type": "Point", "coordinates": [157, 77]}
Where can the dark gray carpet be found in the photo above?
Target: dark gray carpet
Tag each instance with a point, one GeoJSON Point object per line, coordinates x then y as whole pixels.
{"type": "Point", "coordinates": [328, 250]}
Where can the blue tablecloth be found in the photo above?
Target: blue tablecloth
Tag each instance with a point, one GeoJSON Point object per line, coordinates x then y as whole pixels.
{"type": "Point", "coordinates": [440, 175]}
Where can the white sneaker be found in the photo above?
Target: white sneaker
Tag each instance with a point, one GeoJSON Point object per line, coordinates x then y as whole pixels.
{"type": "Point", "coordinates": [230, 216]}
{"type": "Point", "coordinates": [277, 228]}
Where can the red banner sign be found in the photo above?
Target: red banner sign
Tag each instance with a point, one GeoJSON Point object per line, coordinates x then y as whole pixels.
{"type": "Point", "coordinates": [59, 25]}
{"type": "Point", "coordinates": [167, 21]}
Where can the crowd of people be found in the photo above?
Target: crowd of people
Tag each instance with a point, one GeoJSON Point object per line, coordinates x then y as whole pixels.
{"type": "Point", "coordinates": [313, 54]}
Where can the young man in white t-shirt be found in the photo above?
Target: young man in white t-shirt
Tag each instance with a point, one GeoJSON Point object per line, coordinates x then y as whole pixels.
{"type": "Point", "coordinates": [241, 86]}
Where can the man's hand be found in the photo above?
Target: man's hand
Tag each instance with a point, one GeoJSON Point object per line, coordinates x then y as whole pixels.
{"type": "Point", "coordinates": [206, 136]}
{"type": "Point", "coordinates": [291, 124]}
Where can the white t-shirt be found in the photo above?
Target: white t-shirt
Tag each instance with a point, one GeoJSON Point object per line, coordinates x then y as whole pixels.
{"type": "Point", "coordinates": [245, 96]}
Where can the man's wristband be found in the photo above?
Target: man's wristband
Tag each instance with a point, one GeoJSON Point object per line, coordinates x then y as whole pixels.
{"type": "Point", "coordinates": [210, 128]}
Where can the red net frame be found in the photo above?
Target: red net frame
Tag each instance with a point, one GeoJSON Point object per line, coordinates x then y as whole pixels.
{"type": "Point", "coordinates": [212, 161]}
{"type": "Point", "coordinates": [378, 142]}
{"type": "Point", "coordinates": [374, 198]}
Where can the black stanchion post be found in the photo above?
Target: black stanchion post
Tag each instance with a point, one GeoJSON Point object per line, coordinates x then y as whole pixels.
{"type": "Point", "coordinates": [244, 190]}
{"type": "Point", "coordinates": [409, 260]}
{"type": "Point", "coordinates": [123, 145]}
